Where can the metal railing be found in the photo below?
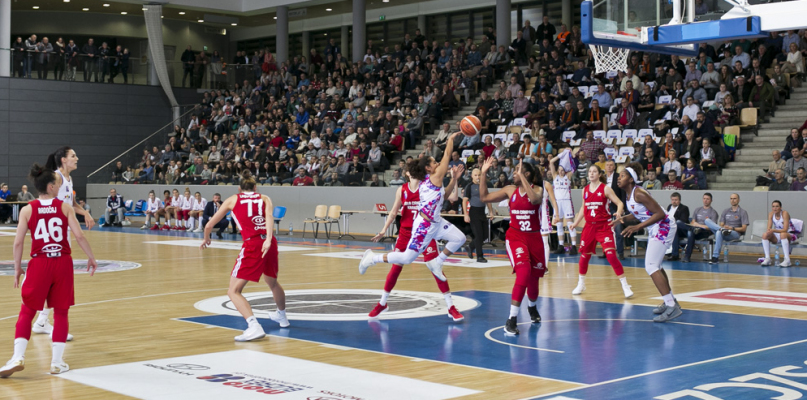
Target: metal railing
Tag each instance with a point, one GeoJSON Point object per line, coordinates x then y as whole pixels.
{"type": "Point", "coordinates": [133, 157]}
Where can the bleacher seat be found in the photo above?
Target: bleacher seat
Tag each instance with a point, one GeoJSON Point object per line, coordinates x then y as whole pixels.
{"type": "Point", "coordinates": [567, 136]}
{"type": "Point", "coordinates": [644, 132]}
{"type": "Point", "coordinates": [626, 151]}
{"type": "Point", "coordinates": [610, 153]}
{"type": "Point", "coordinates": [518, 122]}
{"type": "Point", "coordinates": [666, 99]}
{"type": "Point", "coordinates": [630, 133]}
{"type": "Point", "coordinates": [500, 136]}
{"type": "Point", "coordinates": [583, 90]}
{"type": "Point", "coordinates": [599, 134]}
{"type": "Point", "coordinates": [614, 134]}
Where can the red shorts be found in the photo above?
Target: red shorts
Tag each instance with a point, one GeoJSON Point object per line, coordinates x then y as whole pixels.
{"type": "Point", "coordinates": [51, 280]}
{"type": "Point", "coordinates": [250, 264]}
{"type": "Point", "coordinates": [183, 214]}
{"type": "Point", "coordinates": [526, 250]}
{"type": "Point", "coordinates": [595, 233]}
{"type": "Point", "coordinates": [405, 234]}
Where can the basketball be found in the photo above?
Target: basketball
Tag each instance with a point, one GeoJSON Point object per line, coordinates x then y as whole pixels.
{"type": "Point", "coordinates": [470, 126]}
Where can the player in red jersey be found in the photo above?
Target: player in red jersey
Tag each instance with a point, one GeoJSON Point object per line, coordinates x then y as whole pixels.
{"type": "Point", "coordinates": [598, 228]}
{"type": "Point", "coordinates": [407, 201]}
{"type": "Point", "coordinates": [49, 276]}
{"type": "Point", "coordinates": [525, 247]}
{"type": "Point", "coordinates": [258, 255]}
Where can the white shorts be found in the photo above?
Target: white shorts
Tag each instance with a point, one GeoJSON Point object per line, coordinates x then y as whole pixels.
{"type": "Point", "coordinates": [789, 236]}
{"type": "Point", "coordinates": [565, 209]}
{"type": "Point", "coordinates": [423, 232]}
{"type": "Point", "coordinates": [663, 232]}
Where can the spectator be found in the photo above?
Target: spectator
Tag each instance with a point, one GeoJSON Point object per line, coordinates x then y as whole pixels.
{"type": "Point", "coordinates": [798, 184]}
{"type": "Point", "coordinates": [650, 162]}
{"type": "Point", "coordinates": [794, 163]}
{"type": "Point", "coordinates": [707, 155]}
{"type": "Point", "coordinates": [689, 178]}
{"type": "Point", "coordinates": [698, 228]}
{"type": "Point", "coordinates": [741, 56]}
{"type": "Point", "coordinates": [396, 180]}
{"type": "Point", "coordinates": [375, 182]}
{"type": "Point", "coordinates": [761, 96]}
{"type": "Point", "coordinates": [651, 183]}
{"type": "Point", "coordinates": [672, 182]}
{"type": "Point", "coordinates": [704, 129]}
{"type": "Point", "coordinates": [114, 207]}
{"type": "Point", "coordinates": [672, 164]}
{"type": "Point", "coordinates": [91, 62]}
{"type": "Point", "coordinates": [592, 146]}
{"type": "Point", "coordinates": [25, 195]}
{"type": "Point", "coordinates": [44, 50]}
{"type": "Point", "coordinates": [779, 182]}
{"type": "Point", "coordinates": [602, 97]}
{"type": "Point", "coordinates": [545, 31]}
{"type": "Point", "coordinates": [302, 179]}
{"type": "Point", "coordinates": [626, 116]}
{"type": "Point", "coordinates": [691, 109]}
{"type": "Point", "coordinates": [5, 209]}
{"type": "Point", "coordinates": [681, 215]}
{"type": "Point", "coordinates": [733, 223]}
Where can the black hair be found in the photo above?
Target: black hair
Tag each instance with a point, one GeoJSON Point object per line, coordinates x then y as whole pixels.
{"type": "Point", "coordinates": [41, 177]}
{"type": "Point", "coordinates": [777, 202]}
{"type": "Point", "coordinates": [536, 178]}
{"type": "Point", "coordinates": [166, 192]}
{"type": "Point", "coordinates": [708, 194]}
{"type": "Point", "coordinates": [247, 181]}
{"type": "Point", "coordinates": [599, 171]}
{"type": "Point", "coordinates": [676, 194]}
{"type": "Point", "coordinates": [55, 159]}
{"type": "Point", "coordinates": [417, 168]}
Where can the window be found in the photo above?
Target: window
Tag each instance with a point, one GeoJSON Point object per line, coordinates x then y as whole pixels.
{"type": "Point", "coordinates": [460, 26]}
{"type": "Point", "coordinates": [437, 28]}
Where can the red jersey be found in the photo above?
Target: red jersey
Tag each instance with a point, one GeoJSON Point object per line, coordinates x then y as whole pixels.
{"type": "Point", "coordinates": [410, 205]}
{"type": "Point", "coordinates": [167, 202]}
{"type": "Point", "coordinates": [596, 205]}
{"type": "Point", "coordinates": [248, 214]}
{"type": "Point", "coordinates": [48, 225]}
{"type": "Point", "coordinates": [524, 216]}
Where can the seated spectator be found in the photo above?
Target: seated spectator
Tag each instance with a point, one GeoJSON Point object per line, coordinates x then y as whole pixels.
{"type": "Point", "coordinates": [114, 207]}
{"type": "Point", "coordinates": [302, 179]}
{"type": "Point", "coordinates": [794, 163]}
{"type": "Point", "coordinates": [798, 184]}
{"type": "Point", "coordinates": [708, 159]}
{"type": "Point", "coordinates": [733, 223]}
{"type": "Point", "coordinates": [761, 96]}
{"type": "Point", "coordinates": [25, 195]}
{"type": "Point", "coordinates": [626, 116]}
{"type": "Point", "coordinates": [651, 183]}
{"type": "Point", "coordinates": [779, 182]}
{"type": "Point", "coordinates": [672, 164]}
{"type": "Point", "coordinates": [396, 180]}
{"type": "Point", "coordinates": [672, 182]}
{"type": "Point", "coordinates": [689, 177]}
{"type": "Point", "coordinates": [691, 109]}
{"type": "Point", "coordinates": [729, 112]}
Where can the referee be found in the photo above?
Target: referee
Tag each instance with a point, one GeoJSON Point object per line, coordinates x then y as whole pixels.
{"type": "Point", "coordinates": [474, 210]}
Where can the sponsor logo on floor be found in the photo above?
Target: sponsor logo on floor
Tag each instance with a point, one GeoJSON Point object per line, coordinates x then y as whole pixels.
{"type": "Point", "coordinates": [227, 245]}
{"type": "Point", "coordinates": [749, 298]}
{"type": "Point", "coordinates": [246, 374]}
{"type": "Point", "coordinates": [454, 261]}
{"type": "Point", "coordinates": [79, 266]}
{"type": "Point", "coordinates": [341, 304]}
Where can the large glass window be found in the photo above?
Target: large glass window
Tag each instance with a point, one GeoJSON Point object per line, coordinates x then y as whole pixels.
{"type": "Point", "coordinates": [460, 26]}
{"type": "Point", "coordinates": [395, 33]}
{"type": "Point", "coordinates": [437, 28]}
{"type": "Point", "coordinates": [482, 20]}
{"type": "Point", "coordinates": [296, 45]}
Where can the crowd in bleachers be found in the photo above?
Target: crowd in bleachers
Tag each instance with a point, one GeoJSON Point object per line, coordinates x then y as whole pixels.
{"type": "Point", "coordinates": [325, 121]}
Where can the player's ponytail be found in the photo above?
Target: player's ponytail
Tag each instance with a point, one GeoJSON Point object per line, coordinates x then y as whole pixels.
{"type": "Point", "coordinates": [637, 168]}
{"type": "Point", "coordinates": [55, 159]}
{"type": "Point", "coordinates": [534, 175]}
{"type": "Point", "coordinates": [41, 177]}
{"type": "Point", "coordinates": [417, 168]}
{"type": "Point", "coordinates": [247, 181]}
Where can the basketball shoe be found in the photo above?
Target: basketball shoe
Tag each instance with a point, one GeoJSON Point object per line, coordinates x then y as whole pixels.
{"type": "Point", "coordinates": [511, 326]}
{"type": "Point", "coordinates": [436, 267]}
{"type": "Point", "coordinates": [253, 332]}
{"type": "Point", "coordinates": [59, 368]}
{"type": "Point", "coordinates": [581, 287]}
{"type": "Point", "coordinates": [280, 318]}
{"type": "Point", "coordinates": [366, 261]}
{"type": "Point", "coordinates": [378, 310]}
{"type": "Point", "coordinates": [11, 367]}
{"type": "Point", "coordinates": [454, 314]}
{"type": "Point", "coordinates": [627, 291]}
{"type": "Point", "coordinates": [535, 317]}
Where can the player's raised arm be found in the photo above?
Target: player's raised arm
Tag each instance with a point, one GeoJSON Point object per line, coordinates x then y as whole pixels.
{"type": "Point", "coordinates": [442, 168]}
{"type": "Point", "coordinates": [484, 195]}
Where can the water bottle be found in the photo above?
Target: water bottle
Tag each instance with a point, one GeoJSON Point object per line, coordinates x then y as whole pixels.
{"type": "Point", "coordinates": [726, 254]}
{"type": "Point", "coordinates": [798, 262]}
{"type": "Point", "coordinates": [291, 229]}
{"type": "Point", "coordinates": [705, 253]}
{"type": "Point", "coordinates": [776, 256]}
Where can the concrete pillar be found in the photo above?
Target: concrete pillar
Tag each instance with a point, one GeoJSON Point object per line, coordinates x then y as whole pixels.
{"type": "Point", "coordinates": [566, 14]}
{"type": "Point", "coordinates": [345, 42]}
{"type": "Point", "coordinates": [359, 30]}
{"type": "Point", "coordinates": [307, 45]}
{"type": "Point", "coordinates": [5, 37]}
{"type": "Point", "coordinates": [282, 39]}
{"type": "Point", "coordinates": [503, 23]}
{"type": "Point", "coordinates": [422, 26]}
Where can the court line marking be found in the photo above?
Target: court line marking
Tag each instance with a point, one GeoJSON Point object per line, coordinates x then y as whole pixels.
{"type": "Point", "coordinates": [671, 369]}
{"type": "Point", "coordinates": [582, 385]}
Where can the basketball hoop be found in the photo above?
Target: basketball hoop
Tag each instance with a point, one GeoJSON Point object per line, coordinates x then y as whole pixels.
{"type": "Point", "coordinates": [608, 59]}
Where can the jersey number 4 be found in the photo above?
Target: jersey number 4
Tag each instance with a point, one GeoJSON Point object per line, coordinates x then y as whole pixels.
{"type": "Point", "coordinates": [50, 230]}
{"type": "Point", "coordinates": [257, 202]}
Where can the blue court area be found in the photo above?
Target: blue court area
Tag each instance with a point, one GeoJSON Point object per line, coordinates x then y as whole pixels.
{"type": "Point", "coordinates": [607, 346]}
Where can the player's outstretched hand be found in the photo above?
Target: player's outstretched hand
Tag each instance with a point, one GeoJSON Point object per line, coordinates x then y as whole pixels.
{"type": "Point", "coordinates": [488, 164]}
{"type": "Point", "coordinates": [89, 221]}
{"type": "Point", "coordinates": [92, 265]}
{"type": "Point", "coordinates": [454, 136]}
{"type": "Point", "coordinates": [18, 272]}
{"type": "Point", "coordinates": [205, 243]}
{"type": "Point", "coordinates": [457, 170]}
{"type": "Point", "coordinates": [630, 230]}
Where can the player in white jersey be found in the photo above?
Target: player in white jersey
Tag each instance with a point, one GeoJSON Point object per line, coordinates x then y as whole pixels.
{"type": "Point", "coordinates": [428, 224]}
{"type": "Point", "coordinates": [564, 212]}
{"type": "Point", "coordinates": [63, 161]}
{"type": "Point", "coordinates": [153, 207]}
{"type": "Point", "coordinates": [198, 204]}
{"type": "Point", "coordinates": [546, 220]}
{"type": "Point", "coordinates": [184, 210]}
{"type": "Point", "coordinates": [778, 232]}
{"type": "Point", "coordinates": [172, 211]}
{"type": "Point", "coordinates": [661, 230]}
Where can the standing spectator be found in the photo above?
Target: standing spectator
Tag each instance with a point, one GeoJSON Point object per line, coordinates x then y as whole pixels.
{"type": "Point", "coordinates": [5, 209]}
{"type": "Point", "coordinates": [30, 49]}
{"type": "Point", "coordinates": [25, 195]}
{"type": "Point", "coordinates": [58, 59]}
{"type": "Point", "coordinates": [545, 31]}
{"type": "Point", "coordinates": [733, 223]}
{"type": "Point", "coordinates": [91, 62]}
{"type": "Point", "coordinates": [200, 67]}
{"type": "Point", "coordinates": [44, 50]}
{"type": "Point", "coordinates": [104, 52]}
{"type": "Point", "coordinates": [188, 59]}
{"type": "Point", "coordinates": [114, 207]}
{"type": "Point", "coordinates": [18, 58]}
{"type": "Point", "coordinates": [474, 210]}
{"type": "Point", "coordinates": [72, 59]}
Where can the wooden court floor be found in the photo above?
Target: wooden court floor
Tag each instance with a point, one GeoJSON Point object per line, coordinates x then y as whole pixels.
{"type": "Point", "coordinates": [129, 316]}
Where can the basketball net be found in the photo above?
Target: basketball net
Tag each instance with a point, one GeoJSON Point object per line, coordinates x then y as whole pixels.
{"type": "Point", "coordinates": [608, 59]}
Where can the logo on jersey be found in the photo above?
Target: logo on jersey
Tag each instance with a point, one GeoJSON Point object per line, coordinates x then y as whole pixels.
{"type": "Point", "coordinates": [52, 248]}
{"type": "Point", "coordinates": [259, 220]}
{"type": "Point", "coordinates": [519, 251]}
{"type": "Point", "coordinates": [582, 243]}
{"type": "Point", "coordinates": [539, 266]}
{"type": "Point", "coordinates": [429, 250]}
{"type": "Point", "coordinates": [607, 240]}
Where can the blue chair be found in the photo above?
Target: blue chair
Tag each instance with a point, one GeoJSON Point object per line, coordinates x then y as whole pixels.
{"type": "Point", "coordinates": [139, 211]}
{"type": "Point", "coordinates": [278, 215]}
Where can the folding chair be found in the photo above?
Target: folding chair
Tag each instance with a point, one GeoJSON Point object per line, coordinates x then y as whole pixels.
{"type": "Point", "coordinates": [320, 213]}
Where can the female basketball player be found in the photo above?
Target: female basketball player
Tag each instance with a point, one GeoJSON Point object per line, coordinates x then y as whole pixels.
{"type": "Point", "coordinates": [258, 255]}
{"type": "Point", "coordinates": [564, 213]}
{"type": "Point", "coordinates": [599, 228]}
{"type": "Point", "coordinates": [428, 223]}
{"type": "Point", "coordinates": [63, 161]}
{"type": "Point", "coordinates": [49, 276]}
{"type": "Point", "coordinates": [153, 208]}
{"type": "Point", "coordinates": [198, 204]}
{"type": "Point", "coordinates": [163, 212]}
{"type": "Point", "coordinates": [523, 240]}
{"type": "Point", "coordinates": [778, 231]}
{"type": "Point", "coordinates": [660, 233]}
{"type": "Point", "coordinates": [184, 210]}
{"type": "Point", "coordinates": [172, 209]}
{"type": "Point", "coordinates": [407, 200]}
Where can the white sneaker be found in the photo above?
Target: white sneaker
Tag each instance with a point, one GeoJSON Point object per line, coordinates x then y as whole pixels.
{"type": "Point", "coordinates": [766, 262]}
{"type": "Point", "coordinates": [59, 368]}
{"type": "Point", "coordinates": [11, 367]}
{"type": "Point", "coordinates": [42, 328]}
{"type": "Point", "coordinates": [628, 292]}
{"type": "Point", "coordinates": [69, 337]}
{"type": "Point", "coordinates": [198, 230]}
{"type": "Point", "coordinates": [366, 261]}
{"type": "Point", "coordinates": [255, 331]}
{"type": "Point", "coordinates": [144, 227]}
{"type": "Point", "coordinates": [280, 319]}
{"type": "Point", "coordinates": [785, 264]}
{"type": "Point", "coordinates": [436, 267]}
{"type": "Point", "coordinates": [581, 287]}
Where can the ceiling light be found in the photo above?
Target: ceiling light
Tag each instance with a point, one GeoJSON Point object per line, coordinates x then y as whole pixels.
{"type": "Point", "coordinates": [144, 8]}
{"type": "Point", "coordinates": [162, 16]}
{"type": "Point", "coordinates": [234, 24]}
{"type": "Point", "coordinates": [123, 12]}
{"type": "Point", "coordinates": [325, 34]}
{"type": "Point", "coordinates": [200, 20]}
{"type": "Point", "coordinates": [106, 5]}
{"type": "Point", "coordinates": [85, 9]}
{"type": "Point", "coordinates": [66, 1]}
{"type": "Point", "coordinates": [386, 1]}
{"type": "Point", "coordinates": [275, 17]}
{"type": "Point", "coordinates": [182, 13]}
{"type": "Point", "coordinates": [329, 9]}
{"type": "Point", "coordinates": [36, 7]}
